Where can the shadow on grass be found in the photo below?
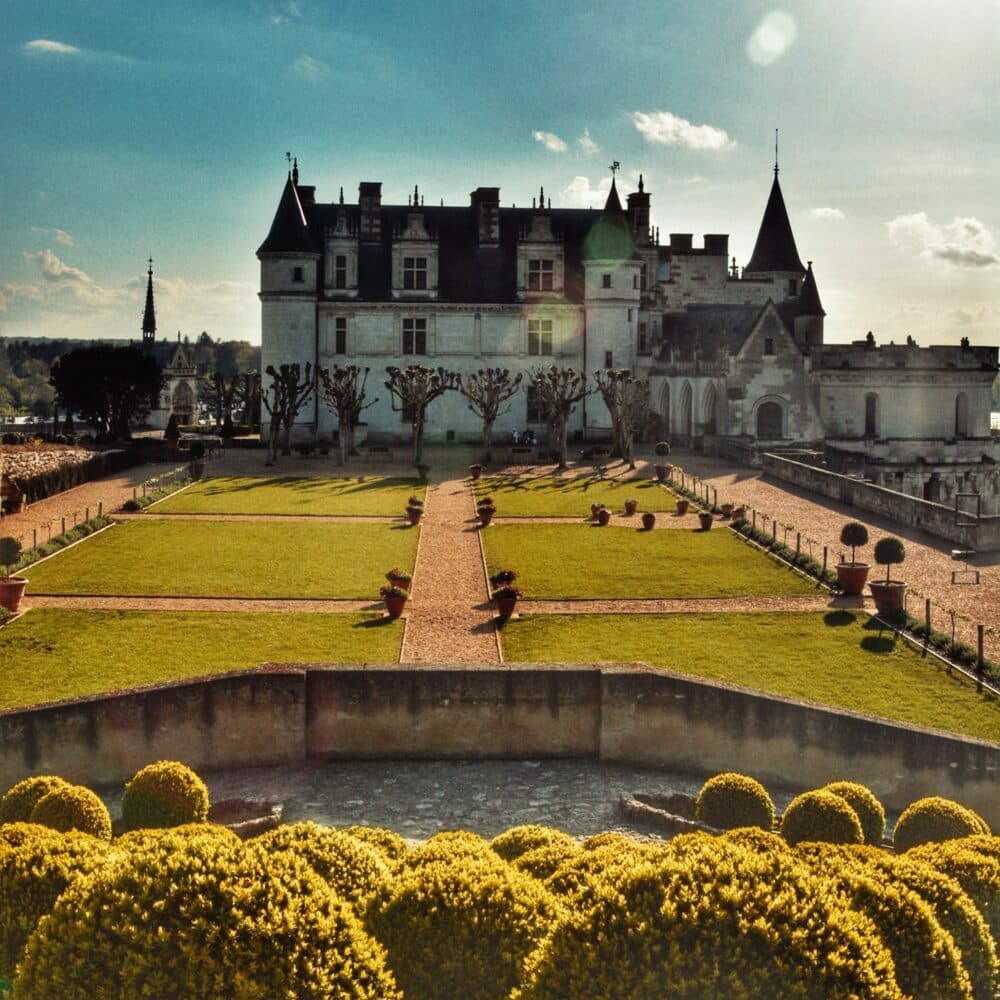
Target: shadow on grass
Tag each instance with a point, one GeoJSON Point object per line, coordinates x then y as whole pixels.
{"type": "Point", "coordinates": [375, 622]}
{"type": "Point", "coordinates": [879, 643]}
{"type": "Point", "coordinates": [837, 619]}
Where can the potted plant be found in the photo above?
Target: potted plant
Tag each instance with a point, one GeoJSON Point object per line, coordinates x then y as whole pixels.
{"type": "Point", "coordinates": [397, 578]}
{"type": "Point", "coordinates": [197, 464]}
{"type": "Point", "coordinates": [682, 507]}
{"type": "Point", "coordinates": [889, 594]}
{"type": "Point", "coordinates": [595, 509]}
{"type": "Point", "coordinates": [415, 511]}
{"type": "Point", "coordinates": [476, 470]}
{"type": "Point", "coordinates": [631, 506]}
{"type": "Point", "coordinates": [661, 468]}
{"type": "Point", "coordinates": [11, 587]}
{"type": "Point", "coordinates": [485, 509]}
{"type": "Point", "coordinates": [740, 512]}
{"type": "Point", "coordinates": [648, 520]}
{"type": "Point", "coordinates": [503, 578]}
{"type": "Point", "coordinates": [852, 575]}
{"type": "Point", "coordinates": [506, 600]}
{"type": "Point", "coordinates": [705, 519]}
{"type": "Point", "coordinates": [395, 600]}
{"type": "Point", "coordinates": [727, 510]}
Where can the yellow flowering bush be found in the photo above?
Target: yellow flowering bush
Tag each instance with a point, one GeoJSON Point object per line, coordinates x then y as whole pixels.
{"type": "Point", "coordinates": [869, 810]}
{"type": "Point", "coordinates": [730, 800]}
{"type": "Point", "coordinates": [753, 838]}
{"type": "Point", "coordinates": [351, 868]}
{"type": "Point", "coordinates": [987, 844]}
{"type": "Point", "coordinates": [520, 840]}
{"type": "Point", "coordinates": [578, 878]}
{"type": "Point", "coordinates": [388, 843]}
{"type": "Point", "coordinates": [543, 862]}
{"type": "Point", "coordinates": [932, 820]}
{"type": "Point", "coordinates": [201, 916]}
{"type": "Point", "coordinates": [448, 846]}
{"type": "Point", "coordinates": [21, 799]}
{"type": "Point", "coordinates": [36, 865]}
{"type": "Point", "coordinates": [73, 807]}
{"type": "Point", "coordinates": [164, 794]}
{"type": "Point", "coordinates": [821, 816]}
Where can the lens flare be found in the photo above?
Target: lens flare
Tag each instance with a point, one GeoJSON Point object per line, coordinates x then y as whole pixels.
{"type": "Point", "coordinates": [772, 38]}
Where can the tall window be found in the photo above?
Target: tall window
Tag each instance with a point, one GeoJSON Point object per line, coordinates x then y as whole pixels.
{"type": "Point", "coordinates": [961, 415]}
{"type": "Point", "coordinates": [539, 336]}
{"type": "Point", "coordinates": [340, 271]}
{"type": "Point", "coordinates": [871, 415]}
{"type": "Point", "coordinates": [609, 359]}
{"type": "Point", "coordinates": [415, 273]}
{"type": "Point", "coordinates": [643, 339]}
{"type": "Point", "coordinates": [642, 278]}
{"type": "Point", "coordinates": [297, 275]}
{"type": "Point", "coordinates": [340, 335]}
{"type": "Point", "coordinates": [793, 287]}
{"type": "Point", "coordinates": [534, 414]}
{"type": "Point", "coordinates": [540, 275]}
{"type": "Point", "coordinates": [606, 281]}
{"type": "Point", "coordinates": [414, 336]}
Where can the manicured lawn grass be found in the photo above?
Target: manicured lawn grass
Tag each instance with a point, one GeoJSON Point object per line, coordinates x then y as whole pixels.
{"type": "Point", "coordinates": [560, 561]}
{"type": "Point", "coordinates": [529, 497]}
{"type": "Point", "coordinates": [832, 659]}
{"type": "Point", "coordinates": [371, 495]}
{"type": "Point", "coordinates": [55, 653]}
{"type": "Point", "coordinates": [230, 559]}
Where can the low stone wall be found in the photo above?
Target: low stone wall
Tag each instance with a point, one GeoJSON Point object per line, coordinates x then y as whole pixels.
{"type": "Point", "coordinates": [626, 713]}
{"type": "Point", "coordinates": [913, 511]}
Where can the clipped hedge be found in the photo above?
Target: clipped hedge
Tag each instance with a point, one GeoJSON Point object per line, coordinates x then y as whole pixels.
{"type": "Point", "coordinates": [45, 484]}
{"type": "Point", "coordinates": [821, 816]}
{"type": "Point", "coordinates": [933, 820]}
{"type": "Point", "coordinates": [732, 800]}
{"type": "Point", "coordinates": [73, 807]}
{"type": "Point", "coordinates": [866, 806]}
{"type": "Point", "coordinates": [388, 843]}
{"type": "Point", "coordinates": [518, 840]}
{"type": "Point", "coordinates": [19, 800]}
{"type": "Point", "coordinates": [164, 794]}
{"type": "Point", "coordinates": [543, 862]}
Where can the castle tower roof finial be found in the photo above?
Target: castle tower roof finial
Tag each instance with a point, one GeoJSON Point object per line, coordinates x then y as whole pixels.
{"type": "Point", "coordinates": [775, 152]}
{"type": "Point", "coordinates": [341, 194]}
{"type": "Point", "coordinates": [641, 185]}
{"type": "Point", "coordinates": [295, 171]}
{"type": "Point", "coordinates": [149, 315]}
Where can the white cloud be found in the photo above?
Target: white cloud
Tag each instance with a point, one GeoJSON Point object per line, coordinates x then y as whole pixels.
{"type": "Point", "coordinates": [827, 214]}
{"type": "Point", "coordinates": [963, 242]}
{"type": "Point", "coordinates": [282, 13]}
{"type": "Point", "coordinates": [59, 276]}
{"type": "Point", "coordinates": [661, 128]}
{"type": "Point", "coordinates": [772, 38]}
{"type": "Point", "coordinates": [46, 46]}
{"type": "Point", "coordinates": [587, 144]}
{"type": "Point", "coordinates": [550, 141]}
{"type": "Point", "coordinates": [59, 235]}
{"type": "Point", "coordinates": [309, 68]}
{"type": "Point", "coordinates": [579, 194]}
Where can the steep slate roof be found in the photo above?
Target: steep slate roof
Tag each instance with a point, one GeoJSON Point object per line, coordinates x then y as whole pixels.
{"type": "Point", "coordinates": [775, 247]}
{"type": "Point", "coordinates": [809, 303]}
{"type": "Point", "coordinates": [289, 232]}
{"type": "Point", "coordinates": [149, 316]}
{"type": "Point", "coordinates": [610, 237]}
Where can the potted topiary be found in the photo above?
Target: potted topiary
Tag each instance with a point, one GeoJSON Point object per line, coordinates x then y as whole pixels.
{"type": "Point", "coordinates": [603, 516]}
{"type": "Point", "coordinates": [503, 578]}
{"type": "Point", "coordinates": [11, 587]}
{"type": "Point", "coordinates": [705, 519]}
{"type": "Point", "coordinates": [682, 507]}
{"type": "Point", "coordinates": [852, 575]}
{"type": "Point", "coordinates": [197, 464]}
{"type": "Point", "coordinates": [595, 508]}
{"type": "Point", "coordinates": [727, 510]}
{"type": "Point", "coordinates": [648, 520]}
{"type": "Point", "coordinates": [397, 578]}
{"type": "Point", "coordinates": [476, 470]}
{"type": "Point", "coordinates": [415, 510]}
{"type": "Point", "coordinates": [506, 600]}
{"type": "Point", "coordinates": [661, 469]}
{"type": "Point", "coordinates": [485, 509]}
{"type": "Point", "coordinates": [889, 594]}
{"type": "Point", "coordinates": [395, 600]}
{"type": "Point", "coordinates": [631, 506]}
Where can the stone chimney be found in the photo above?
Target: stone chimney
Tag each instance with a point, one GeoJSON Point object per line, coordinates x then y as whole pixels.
{"type": "Point", "coordinates": [486, 201]}
{"type": "Point", "coordinates": [370, 203]}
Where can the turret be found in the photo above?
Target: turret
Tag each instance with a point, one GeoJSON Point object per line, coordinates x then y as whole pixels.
{"type": "Point", "coordinates": [774, 254]}
{"type": "Point", "coordinates": [809, 318]}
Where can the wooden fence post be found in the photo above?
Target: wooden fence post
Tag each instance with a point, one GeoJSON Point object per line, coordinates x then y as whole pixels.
{"type": "Point", "coordinates": [798, 543]}
{"type": "Point", "coordinates": [927, 619]}
{"type": "Point", "coordinates": [755, 518]}
{"type": "Point", "coordinates": [64, 525]}
{"type": "Point", "coordinates": [980, 666]}
{"type": "Point", "coordinates": [100, 508]}
{"type": "Point", "coordinates": [87, 512]}
{"type": "Point", "coordinates": [34, 538]}
{"type": "Point", "coordinates": [824, 560]}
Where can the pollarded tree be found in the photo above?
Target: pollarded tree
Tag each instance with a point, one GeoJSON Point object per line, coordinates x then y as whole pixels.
{"type": "Point", "coordinates": [249, 398]}
{"type": "Point", "coordinates": [413, 389]}
{"type": "Point", "coordinates": [344, 394]}
{"type": "Point", "coordinates": [558, 391]}
{"type": "Point", "coordinates": [487, 390]}
{"type": "Point", "coordinates": [221, 392]}
{"type": "Point", "coordinates": [291, 388]}
{"type": "Point", "coordinates": [627, 400]}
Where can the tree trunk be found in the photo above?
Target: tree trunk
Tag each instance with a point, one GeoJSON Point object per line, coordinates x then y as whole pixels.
{"type": "Point", "coordinates": [560, 442]}
{"type": "Point", "coordinates": [487, 441]}
{"type": "Point", "coordinates": [343, 439]}
{"type": "Point", "coordinates": [273, 429]}
{"type": "Point", "coordinates": [286, 438]}
{"type": "Point", "coordinates": [418, 438]}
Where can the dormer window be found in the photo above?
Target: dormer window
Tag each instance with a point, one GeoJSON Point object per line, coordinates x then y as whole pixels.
{"type": "Point", "coordinates": [769, 345]}
{"type": "Point", "coordinates": [298, 275]}
{"type": "Point", "coordinates": [540, 274]}
{"type": "Point", "coordinates": [415, 273]}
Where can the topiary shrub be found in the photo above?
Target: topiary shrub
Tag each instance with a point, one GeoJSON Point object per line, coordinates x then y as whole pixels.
{"type": "Point", "coordinates": [821, 816]}
{"type": "Point", "coordinates": [868, 808]}
{"type": "Point", "coordinates": [889, 552]}
{"type": "Point", "coordinates": [854, 534]}
{"type": "Point", "coordinates": [730, 800]}
{"type": "Point", "coordinates": [389, 844]}
{"type": "Point", "coordinates": [201, 917]}
{"type": "Point", "coordinates": [150, 839]}
{"type": "Point", "coordinates": [718, 921]}
{"type": "Point", "coordinates": [36, 865]}
{"type": "Point", "coordinates": [520, 840]}
{"type": "Point", "coordinates": [461, 928]}
{"type": "Point", "coordinates": [73, 807]}
{"type": "Point", "coordinates": [987, 844]}
{"type": "Point", "coordinates": [351, 868]}
{"type": "Point", "coordinates": [753, 838]}
{"type": "Point", "coordinates": [933, 820]}
{"type": "Point", "coordinates": [448, 846]}
{"type": "Point", "coordinates": [543, 862]}
{"type": "Point", "coordinates": [19, 800]}
{"type": "Point", "coordinates": [164, 794]}
{"type": "Point", "coordinates": [579, 878]}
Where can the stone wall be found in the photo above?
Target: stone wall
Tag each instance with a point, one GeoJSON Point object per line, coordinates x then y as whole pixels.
{"type": "Point", "coordinates": [912, 511]}
{"type": "Point", "coordinates": [627, 713]}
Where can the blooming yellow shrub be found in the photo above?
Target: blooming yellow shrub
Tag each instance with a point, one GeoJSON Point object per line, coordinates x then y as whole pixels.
{"type": "Point", "coordinates": [36, 865]}
{"type": "Point", "coordinates": [388, 843]}
{"type": "Point", "coordinates": [543, 862]}
{"type": "Point", "coordinates": [21, 799]}
{"type": "Point", "coordinates": [73, 807]}
{"type": "Point", "coordinates": [519, 840]}
{"type": "Point", "coordinates": [164, 794]}
{"type": "Point", "coordinates": [201, 916]}
{"type": "Point", "coordinates": [448, 846]}
{"type": "Point", "coordinates": [730, 800]}
{"type": "Point", "coordinates": [753, 838]}
{"type": "Point", "coordinates": [821, 816]}
{"type": "Point", "coordinates": [934, 819]}
{"type": "Point", "coordinates": [983, 843]}
{"type": "Point", "coordinates": [869, 810]}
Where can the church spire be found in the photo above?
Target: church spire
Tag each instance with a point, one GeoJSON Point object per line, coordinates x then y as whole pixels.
{"type": "Point", "coordinates": [775, 249]}
{"type": "Point", "coordinates": [149, 316]}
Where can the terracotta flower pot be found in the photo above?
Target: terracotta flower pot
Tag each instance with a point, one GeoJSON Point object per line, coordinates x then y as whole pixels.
{"type": "Point", "coordinates": [631, 506]}
{"type": "Point", "coordinates": [727, 510]}
{"type": "Point", "coordinates": [486, 515]}
{"type": "Point", "coordinates": [414, 514]}
{"type": "Point", "coordinates": [889, 597]}
{"type": "Point", "coordinates": [11, 592]}
{"type": "Point", "coordinates": [603, 516]}
{"type": "Point", "coordinates": [196, 469]}
{"type": "Point", "coordinates": [705, 520]}
{"type": "Point", "coordinates": [682, 507]}
{"type": "Point", "coordinates": [648, 520]}
{"type": "Point", "coordinates": [594, 509]}
{"type": "Point", "coordinates": [398, 581]}
{"type": "Point", "coordinates": [395, 606]}
{"type": "Point", "coordinates": [475, 471]}
{"type": "Point", "coordinates": [852, 577]}
{"type": "Point", "coordinates": [505, 606]}
{"type": "Point", "coordinates": [661, 472]}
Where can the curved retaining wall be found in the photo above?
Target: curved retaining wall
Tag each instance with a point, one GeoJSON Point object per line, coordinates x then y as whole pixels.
{"type": "Point", "coordinates": [623, 712]}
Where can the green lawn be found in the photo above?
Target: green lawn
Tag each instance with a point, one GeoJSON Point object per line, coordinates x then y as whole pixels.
{"type": "Point", "coordinates": [527, 497]}
{"type": "Point", "coordinates": [55, 653]}
{"type": "Point", "coordinates": [832, 659]}
{"type": "Point", "coordinates": [562, 561]}
{"type": "Point", "coordinates": [371, 495]}
{"type": "Point", "coordinates": [230, 559]}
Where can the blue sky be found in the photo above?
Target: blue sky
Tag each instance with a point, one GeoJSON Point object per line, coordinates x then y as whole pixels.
{"type": "Point", "coordinates": [135, 129]}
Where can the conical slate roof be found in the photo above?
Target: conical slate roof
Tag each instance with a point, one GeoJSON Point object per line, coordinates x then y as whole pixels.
{"type": "Point", "coordinates": [610, 237]}
{"type": "Point", "coordinates": [775, 247]}
{"type": "Point", "coordinates": [289, 230]}
{"type": "Point", "coordinates": [149, 316]}
{"type": "Point", "coordinates": [809, 303]}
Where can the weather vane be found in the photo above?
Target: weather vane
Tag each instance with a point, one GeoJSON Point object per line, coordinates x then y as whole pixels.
{"type": "Point", "coordinates": [615, 167]}
{"type": "Point", "coordinates": [288, 157]}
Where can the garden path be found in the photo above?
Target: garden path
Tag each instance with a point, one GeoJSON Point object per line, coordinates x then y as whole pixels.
{"type": "Point", "coordinates": [120, 603]}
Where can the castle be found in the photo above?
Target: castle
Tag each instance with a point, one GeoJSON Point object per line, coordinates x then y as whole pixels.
{"type": "Point", "coordinates": [735, 357]}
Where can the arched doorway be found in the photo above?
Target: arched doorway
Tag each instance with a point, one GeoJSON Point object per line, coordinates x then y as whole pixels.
{"type": "Point", "coordinates": [770, 421]}
{"type": "Point", "coordinates": [961, 415]}
{"type": "Point", "coordinates": [664, 411]}
{"type": "Point", "coordinates": [709, 409]}
{"type": "Point", "coordinates": [183, 403]}
{"type": "Point", "coordinates": [687, 414]}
